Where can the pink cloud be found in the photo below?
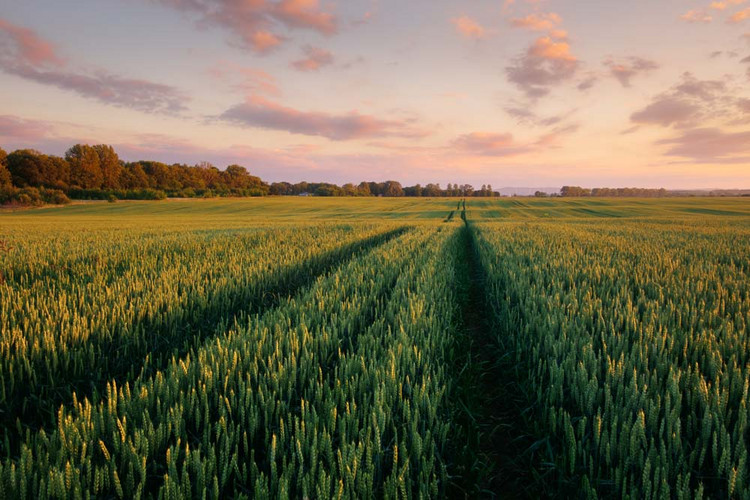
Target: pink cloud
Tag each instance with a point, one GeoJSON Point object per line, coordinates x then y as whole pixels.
{"type": "Point", "coordinates": [538, 22]}
{"type": "Point", "coordinates": [252, 21]}
{"type": "Point", "coordinates": [244, 79]}
{"type": "Point", "coordinates": [263, 41]}
{"type": "Point", "coordinates": [722, 5]}
{"type": "Point", "coordinates": [304, 14]}
{"type": "Point", "coordinates": [468, 27]}
{"type": "Point", "coordinates": [23, 53]}
{"type": "Point", "coordinates": [710, 145]}
{"type": "Point", "coordinates": [315, 58]}
{"type": "Point", "coordinates": [28, 47]}
{"type": "Point", "coordinates": [262, 113]}
{"type": "Point", "coordinates": [14, 128]}
{"type": "Point", "coordinates": [740, 16]}
{"type": "Point", "coordinates": [488, 144]}
{"type": "Point", "coordinates": [552, 50]}
{"type": "Point", "coordinates": [696, 16]}
{"type": "Point", "coordinates": [625, 71]}
{"type": "Point", "coordinates": [546, 63]}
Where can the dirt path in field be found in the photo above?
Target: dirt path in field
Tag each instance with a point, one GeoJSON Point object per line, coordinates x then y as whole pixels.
{"type": "Point", "coordinates": [498, 457]}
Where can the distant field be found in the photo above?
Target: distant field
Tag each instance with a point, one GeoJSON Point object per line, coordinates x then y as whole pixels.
{"type": "Point", "coordinates": [376, 347]}
{"type": "Point", "coordinates": [249, 211]}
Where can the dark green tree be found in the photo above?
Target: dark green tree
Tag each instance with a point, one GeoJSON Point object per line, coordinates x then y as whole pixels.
{"type": "Point", "coordinates": [30, 168]}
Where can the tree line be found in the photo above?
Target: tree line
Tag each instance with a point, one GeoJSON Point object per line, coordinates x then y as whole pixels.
{"type": "Point", "coordinates": [28, 177]}
{"type": "Point", "coordinates": [578, 191]}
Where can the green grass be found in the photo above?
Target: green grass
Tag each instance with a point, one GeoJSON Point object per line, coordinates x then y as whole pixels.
{"type": "Point", "coordinates": [259, 211]}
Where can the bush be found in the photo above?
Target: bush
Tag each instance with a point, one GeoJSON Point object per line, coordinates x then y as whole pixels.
{"type": "Point", "coordinates": [55, 197]}
{"type": "Point", "coordinates": [31, 196]}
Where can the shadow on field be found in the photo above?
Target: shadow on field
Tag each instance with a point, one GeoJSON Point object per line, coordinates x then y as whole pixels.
{"type": "Point", "coordinates": [500, 456]}
{"type": "Point", "coordinates": [34, 408]}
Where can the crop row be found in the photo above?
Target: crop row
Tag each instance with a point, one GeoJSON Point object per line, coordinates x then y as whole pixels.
{"type": "Point", "coordinates": [337, 392]}
{"type": "Point", "coordinates": [102, 307]}
{"type": "Point", "coordinates": [633, 340]}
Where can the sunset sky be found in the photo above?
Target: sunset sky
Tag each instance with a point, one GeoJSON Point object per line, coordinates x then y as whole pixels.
{"type": "Point", "coordinates": [649, 93]}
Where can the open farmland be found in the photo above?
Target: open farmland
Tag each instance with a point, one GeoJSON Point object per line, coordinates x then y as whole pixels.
{"type": "Point", "coordinates": [357, 348]}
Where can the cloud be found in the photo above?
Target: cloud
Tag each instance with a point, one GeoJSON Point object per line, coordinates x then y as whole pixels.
{"type": "Point", "coordinates": [710, 145]}
{"type": "Point", "coordinates": [625, 71]}
{"type": "Point", "coordinates": [552, 139]}
{"type": "Point", "coordinates": [547, 62]}
{"type": "Point", "coordinates": [688, 102]}
{"type": "Point", "coordinates": [468, 27]}
{"type": "Point", "coordinates": [253, 22]}
{"type": "Point", "coordinates": [696, 16]}
{"type": "Point", "coordinates": [13, 128]}
{"type": "Point", "coordinates": [587, 83]}
{"type": "Point", "coordinates": [488, 144]}
{"type": "Point", "coordinates": [27, 46]}
{"type": "Point", "coordinates": [23, 53]}
{"type": "Point", "coordinates": [315, 58]}
{"type": "Point", "coordinates": [665, 112]}
{"type": "Point", "coordinates": [526, 116]}
{"type": "Point", "coordinates": [740, 16]}
{"type": "Point", "coordinates": [726, 3]}
{"type": "Point", "coordinates": [244, 79]}
{"type": "Point", "coordinates": [703, 90]}
{"type": "Point", "coordinates": [744, 105]}
{"type": "Point", "coordinates": [261, 113]}
{"type": "Point", "coordinates": [538, 22]}
{"type": "Point", "coordinates": [305, 14]}
{"type": "Point", "coordinates": [263, 41]}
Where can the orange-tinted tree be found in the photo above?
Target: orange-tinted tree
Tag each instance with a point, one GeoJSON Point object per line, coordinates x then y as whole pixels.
{"type": "Point", "coordinates": [85, 168]}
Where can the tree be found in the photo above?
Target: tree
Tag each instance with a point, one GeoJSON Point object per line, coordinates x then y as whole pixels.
{"type": "Point", "coordinates": [432, 190]}
{"type": "Point", "coordinates": [572, 191]}
{"type": "Point", "coordinates": [85, 169]}
{"type": "Point", "coordinates": [5, 178]}
{"type": "Point", "coordinates": [467, 190]}
{"type": "Point", "coordinates": [60, 173]}
{"type": "Point", "coordinates": [161, 176]}
{"type": "Point", "coordinates": [349, 189]}
{"type": "Point", "coordinates": [237, 177]}
{"type": "Point", "coordinates": [281, 188]}
{"type": "Point", "coordinates": [134, 177]}
{"type": "Point", "coordinates": [110, 166]}
{"type": "Point", "coordinates": [364, 189]}
{"type": "Point", "coordinates": [393, 188]}
{"type": "Point", "coordinates": [30, 168]}
{"type": "Point", "coordinates": [210, 174]}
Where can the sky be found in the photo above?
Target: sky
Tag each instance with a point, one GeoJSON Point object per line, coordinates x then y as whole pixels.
{"type": "Point", "coordinates": [647, 93]}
